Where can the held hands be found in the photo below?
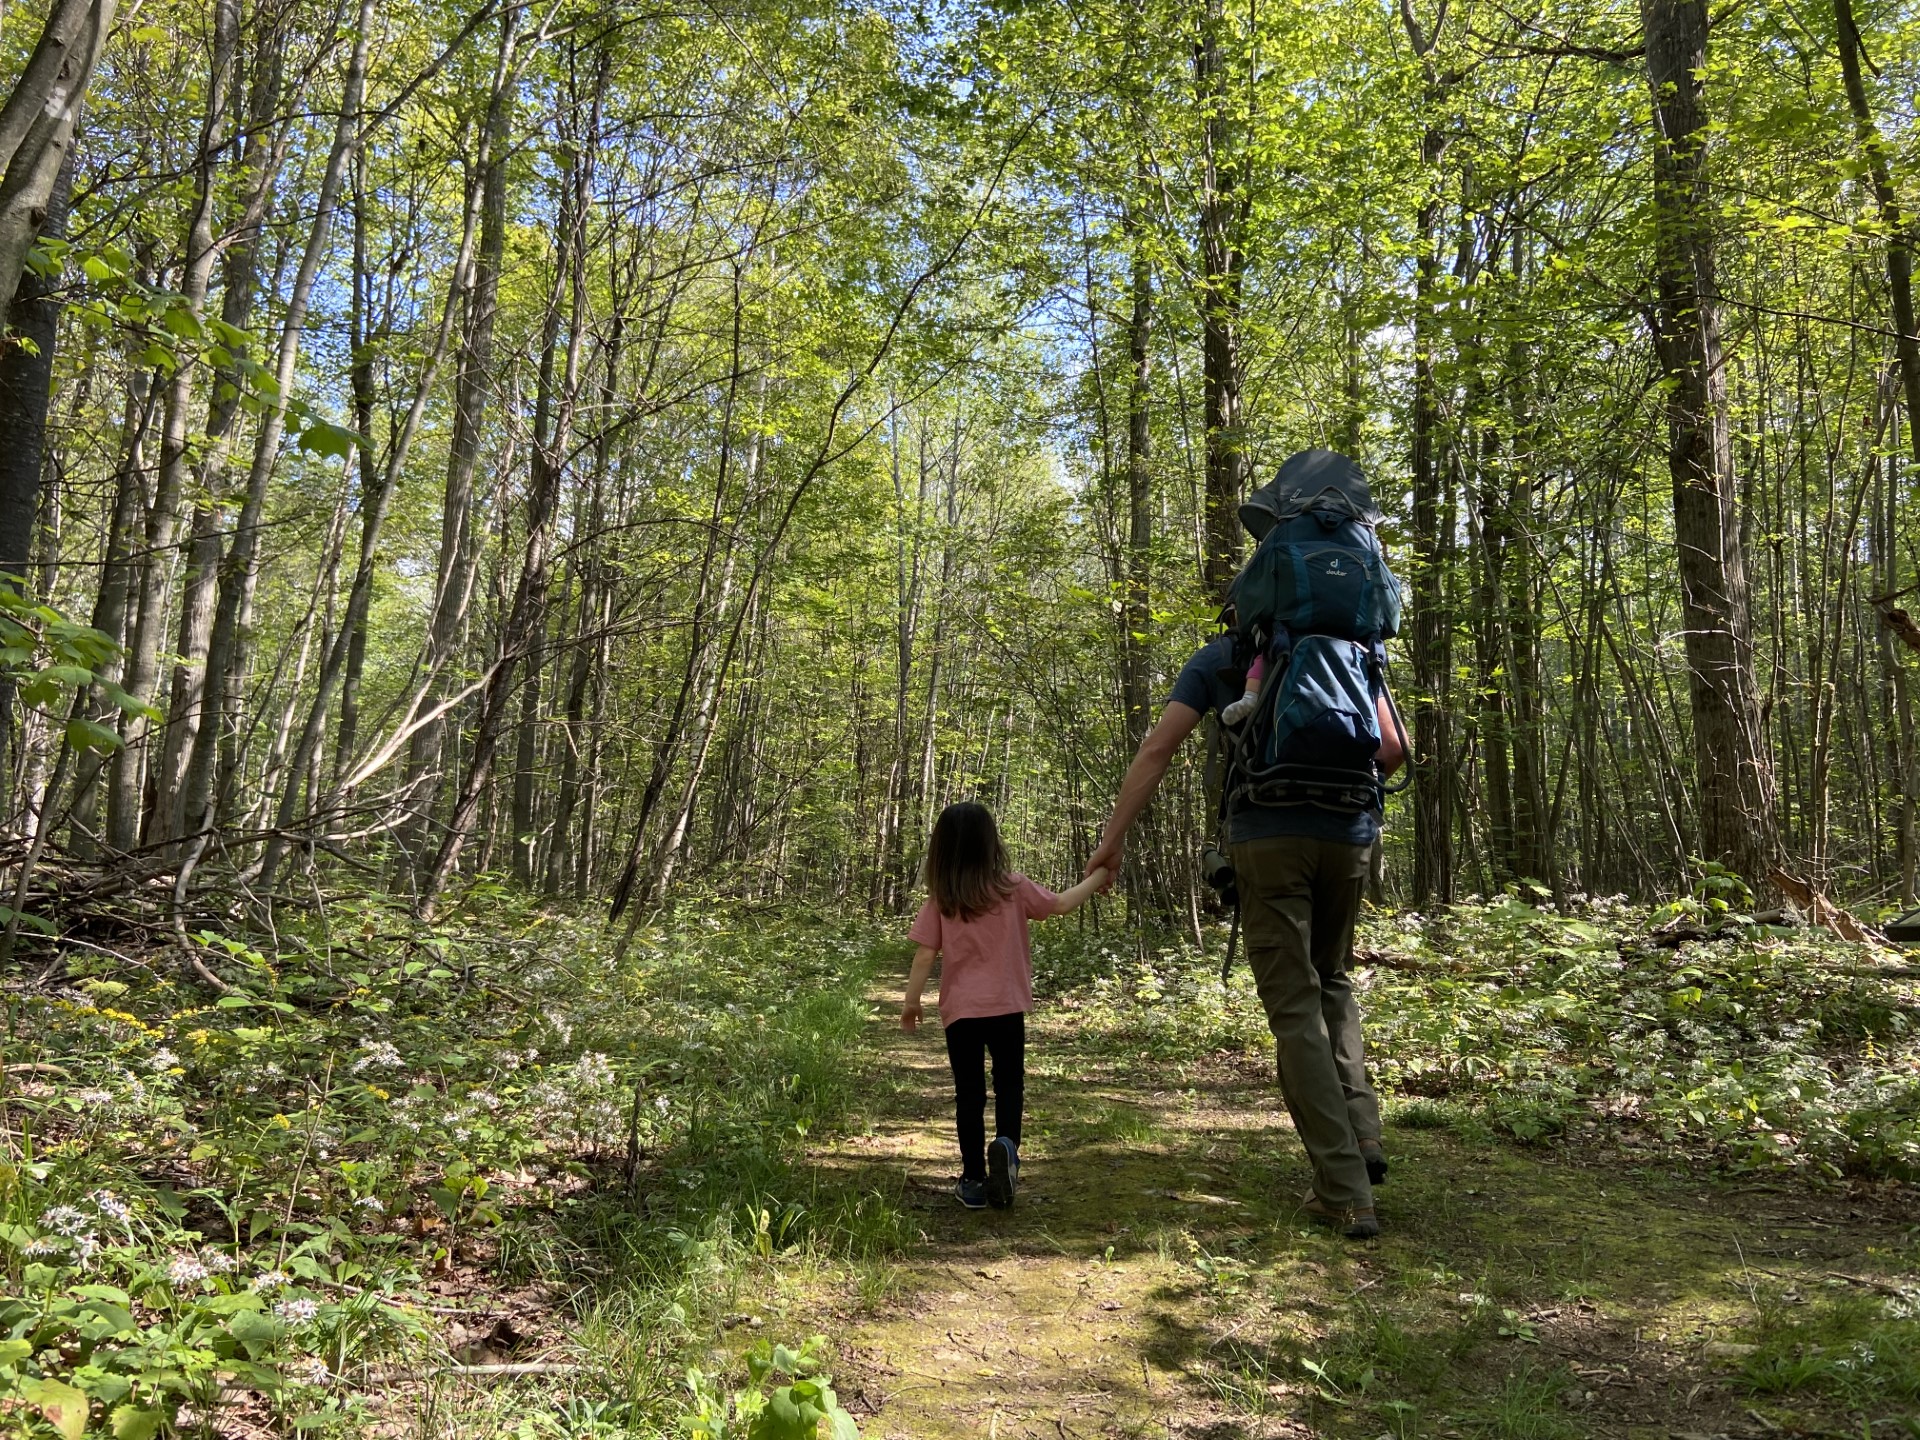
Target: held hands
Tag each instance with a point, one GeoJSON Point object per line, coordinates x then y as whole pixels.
{"type": "Point", "coordinates": [1105, 861]}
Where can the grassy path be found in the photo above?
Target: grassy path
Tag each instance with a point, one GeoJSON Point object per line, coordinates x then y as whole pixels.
{"type": "Point", "coordinates": [1154, 1280]}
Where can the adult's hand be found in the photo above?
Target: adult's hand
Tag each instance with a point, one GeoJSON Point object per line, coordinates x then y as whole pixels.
{"type": "Point", "coordinates": [1107, 858]}
{"type": "Point", "coordinates": [1143, 777]}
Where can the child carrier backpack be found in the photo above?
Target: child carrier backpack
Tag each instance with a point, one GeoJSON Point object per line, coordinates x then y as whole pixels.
{"type": "Point", "coordinates": [1318, 602]}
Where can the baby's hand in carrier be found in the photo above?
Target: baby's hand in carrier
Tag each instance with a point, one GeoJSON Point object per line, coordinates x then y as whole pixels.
{"type": "Point", "coordinates": [1234, 713]}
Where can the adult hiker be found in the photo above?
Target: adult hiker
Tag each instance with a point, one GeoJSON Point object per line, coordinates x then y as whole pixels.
{"type": "Point", "coordinates": [1302, 795]}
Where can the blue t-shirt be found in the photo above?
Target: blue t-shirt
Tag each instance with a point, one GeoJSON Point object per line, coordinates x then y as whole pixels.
{"type": "Point", "coordinates": [1209, 681]}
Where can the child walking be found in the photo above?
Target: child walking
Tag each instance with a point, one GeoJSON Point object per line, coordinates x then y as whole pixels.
{"type": "Point", "coordinates": [975, 921]}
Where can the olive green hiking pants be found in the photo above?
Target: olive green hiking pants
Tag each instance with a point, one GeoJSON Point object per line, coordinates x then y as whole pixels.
{"type": "Point", "coordinates": [1298, 901]}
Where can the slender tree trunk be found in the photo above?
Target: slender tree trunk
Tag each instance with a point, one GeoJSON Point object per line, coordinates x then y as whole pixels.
{"type": "Point", "coordinates": [227, 645]}
{"type": "Point", "coordinates": [143, 647]}
{"type": "Point", "coordinates": [1902, 761]}
{"type": "Point", "coordinates": [110, 600]}
{"type": "Point", "coordinates": [526, 759]}
{"type": "Point", "coordinates": [1734, 771]}
{"type": "Point", "coordinates": [1223, 215]}
{"type": "Point", "coordinates": [717, 556]}
{"type": "Point", "coordinates": [459, 551]}
{"type": "Point", "coordinates": [1893, 220]}
{"type": "Point", "coordinates": [520, 635]}
{"type": "Point", "coordinates": [1138, 610]}
{"type": "Point", "coordinates": [1488, 617]}
{"type": "Point", "coordinates": [1432, 638]}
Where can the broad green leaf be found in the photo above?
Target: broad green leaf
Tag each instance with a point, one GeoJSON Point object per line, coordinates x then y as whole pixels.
{"type": "Point", "coordinates": [64, 1407]}
{"type": "Point", "coordinates": [85, 734]}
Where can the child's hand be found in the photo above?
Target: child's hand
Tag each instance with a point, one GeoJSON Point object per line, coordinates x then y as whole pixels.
{"type": "Point", "coordinates": [910, 1016]}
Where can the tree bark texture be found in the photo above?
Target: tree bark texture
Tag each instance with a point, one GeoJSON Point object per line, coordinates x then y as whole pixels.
{"type": "Point", "coordinates": [36, 129]}
{"type": "Point", "coordinates": [1733, 769]}
{"type": "Point", "coordinates": [1223, 217]}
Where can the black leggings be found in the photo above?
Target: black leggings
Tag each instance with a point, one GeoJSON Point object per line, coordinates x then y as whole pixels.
{"type": "Point", "coordinates": [968, 1043]}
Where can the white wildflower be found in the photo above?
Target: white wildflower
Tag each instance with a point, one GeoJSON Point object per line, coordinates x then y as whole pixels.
{"type": "Point", "coordinates": [377, 1054]}
{"type": "Point", "coordinates": [219, 1262]}
{"type": "Point", "coordinates": [371, 1202]}
{"type": "Point", "coordinates": [485, 1099]}
{"type": "Point", "coordinates": [111, 1206]}
{"type": "Point", "coordinates": [45, 1245]}
{"type": "Point", "coordinates": [187, 1270]}
{"type": "Point", "coordinates": [162, 1060]}
{"type": "Point", "coordinates": [95, 1096]}
{"type": "Point", "coordinates": [64, 1219]}
{"type": "Point", "coordinates": [298, 1311]}
{"type": "Point", "coordinates": [268, 1280]}
{"type": "Point", "coordinates": [311, 1370]}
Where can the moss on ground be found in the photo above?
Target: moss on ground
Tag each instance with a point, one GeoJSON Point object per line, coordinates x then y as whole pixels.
{"type": "Point", "coordinates": [1155, 1278]}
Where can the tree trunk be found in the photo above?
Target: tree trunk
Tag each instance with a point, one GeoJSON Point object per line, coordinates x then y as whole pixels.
{"type": "Point", "coordinates": [1223, 215]}
{"type": "Point", "coordinates": [1432, 638]}
{"type": "Point", "coordinates": [26, 391]}
{"type": "Point", "coordinates": [520, 635]}
{"type": "Point", "coordinates": [143, 646]}
{"type": "Point", "coordinates": [459, 550]}
{"type": "Point", "coordinates": [1900, 239]}
{"type": "Point", "coordinates": [1734, 771]}
{"type": "Point", "coordinates": [1138, 611]}
{"type": "Point", "coordinates": [36, 129]}
{"type": "Point", "coordinates": [257, 171]}
{"type": "Point", "coordinates": [227, 646]}
{"type": "Point", "coordinates": [110, 601]}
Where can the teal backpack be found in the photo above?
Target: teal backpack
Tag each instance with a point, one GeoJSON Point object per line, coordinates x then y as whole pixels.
{"type": "Point", "coordinates": [1317, 600]}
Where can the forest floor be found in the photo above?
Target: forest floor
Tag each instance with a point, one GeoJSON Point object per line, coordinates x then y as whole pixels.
{"type": "Point", "coordinates": [1155, 1279]}
{"type": "Point", "coordinates": [515, 1177]}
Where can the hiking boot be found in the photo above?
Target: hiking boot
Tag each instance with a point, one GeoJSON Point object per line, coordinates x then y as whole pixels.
{"type": "Point", "coordinates": [1003, 1172]}
{"type": "Point", "coordinates": [971, 1193]}
{"type": "Point", "coordinates": [1376, 1158]}
{"type": "Point", "coordinates": [1356, 1222]}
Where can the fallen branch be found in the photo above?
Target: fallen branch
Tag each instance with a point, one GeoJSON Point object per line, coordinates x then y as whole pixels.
{"type": "Point", "coordinates": [503, 1371]}
{"type": "Point", "coordinates": [1822, 911]}
{"type": "Point", "coordinates": [1867, 1282]}
{"type": "Point", "coordinates": [37, 1067]}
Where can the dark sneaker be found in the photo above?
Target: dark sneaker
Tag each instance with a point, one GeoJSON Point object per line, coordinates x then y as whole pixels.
{"type": "Point", "coordinates": [1356, 1222]}
{"type": "Point", "coordinates": [1003, 1172]}
{"type": "Point", "coordinates": [971, 1193]}
{"type": "Point", "coordinates": [1376, 1158]}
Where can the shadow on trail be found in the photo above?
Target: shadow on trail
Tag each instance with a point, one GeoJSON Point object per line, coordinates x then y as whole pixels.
{"type": "Point", "coordinates": [1155, 1278]}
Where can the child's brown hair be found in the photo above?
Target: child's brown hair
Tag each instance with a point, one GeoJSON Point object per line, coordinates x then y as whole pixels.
{"type": "Point", "coordinates": [967, 872]}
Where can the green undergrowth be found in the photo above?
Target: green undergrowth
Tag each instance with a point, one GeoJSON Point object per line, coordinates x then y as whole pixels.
{"type": "Point", "coordinates": [286, 1206]}
{"type": "Point", "coordinates": [1768, 1049]}
{"type": "Point", "coordinates": [224, 1208]}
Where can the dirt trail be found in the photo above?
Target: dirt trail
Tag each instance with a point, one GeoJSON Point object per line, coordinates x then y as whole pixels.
{"type": "Point", "coordinates": [1154, 1278]}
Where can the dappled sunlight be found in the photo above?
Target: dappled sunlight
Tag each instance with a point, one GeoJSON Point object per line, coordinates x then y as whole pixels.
{"type": "Point", "coordinates": [1154, 1277]}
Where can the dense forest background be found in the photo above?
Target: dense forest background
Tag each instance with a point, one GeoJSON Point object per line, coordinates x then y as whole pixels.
{"type": "Point", "coordinates": [637, 446]}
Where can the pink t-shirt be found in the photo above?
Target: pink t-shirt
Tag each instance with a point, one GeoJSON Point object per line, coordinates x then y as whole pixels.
{"type": "Point", "coordinates": [986, 963]}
